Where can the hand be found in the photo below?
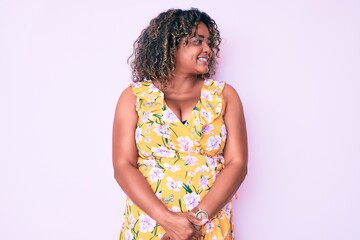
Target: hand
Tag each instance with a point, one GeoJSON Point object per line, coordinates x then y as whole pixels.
{"type": "Point", "coordinates": [177, 227]}
{"type": "Point", "coordinates": [197, 223]}
{"type": "Point", "coordinates": [185, 230]}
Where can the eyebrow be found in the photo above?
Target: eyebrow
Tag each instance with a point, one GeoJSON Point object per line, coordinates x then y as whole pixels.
{"type": "Point", "coordinates": [198, 35]}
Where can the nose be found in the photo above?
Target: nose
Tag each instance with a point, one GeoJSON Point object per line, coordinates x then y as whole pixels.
{"type": "Point", "coordinates": [206, 48]}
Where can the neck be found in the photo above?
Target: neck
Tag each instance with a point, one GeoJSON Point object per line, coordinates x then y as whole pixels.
{"type": "Point", "coordinates": [183, 82]}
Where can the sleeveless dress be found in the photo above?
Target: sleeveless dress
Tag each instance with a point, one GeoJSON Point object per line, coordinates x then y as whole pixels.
{"type": "Point", "coordinates": [179, 161]}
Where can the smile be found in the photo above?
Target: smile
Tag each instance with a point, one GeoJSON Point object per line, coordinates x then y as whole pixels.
{"type": "Point", "coordinates": [203, 59]}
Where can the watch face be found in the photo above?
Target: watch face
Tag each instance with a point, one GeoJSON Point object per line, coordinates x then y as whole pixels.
{"type": "Point", "coordinates": [201, 215]}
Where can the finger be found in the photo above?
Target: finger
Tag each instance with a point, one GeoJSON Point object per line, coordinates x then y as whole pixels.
{"type": "Point", "coordinates": [197, 237]}
{"type": "Point", "coordinates": [198, 234]}
{"type": "Point", "coordinates": [165, 237]}
{"type": "Point", "coordinates": [196, 227]}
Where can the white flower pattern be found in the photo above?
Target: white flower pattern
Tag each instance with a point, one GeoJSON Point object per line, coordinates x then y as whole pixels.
{"type": "Point", "coordinates": [147, 224]}
{"type": "Point", "coordinates": [211, 162]}
{"type": "Point", "coordinates": [180, 162]}
{"type": "Point", "coordinates": [175, 209]}
{"type": "Point", "coordinates": [172, 168]}
{"type": "Point", "coordinates": [162, 130]}
{"type": "Point", "coordinates": [138, 136]}
{"type": "Point", "coordinates": [156, 174]}
{"type": "Point", "coordinates": [209, 226]}
{"type": "Point", "coordinates": [206, 95]}
{"type": "Point", "coordinates": [191, 200]}
{"type": "Point", "coordinates": [145, 117]}
{"type": "Point", "coordinates": [169, 116]}
{"type": "Point", "coordinates": [207, 115]}
{"type": "Point", "coordinates": [202, 169]}
{"type": "Point", "coordinates": [190, 160]}
{"type": "Point", "coordinates": [173, 185]}
{"type": "Point", "coordinates": [223, 133]}
{"type": "Point", "coordinates": [203, 182]}
{"type": "Point", "coordinates": [227, 209]}
{"type": "Point", "coordinates": [208, 129]}
{"type": "Point", "coordinates": [213, 142]}
{"type": "Point", "coordinates": [163, 151]}
{"type": "Point", "coordinates": [185, 143]}
{"type": "Point", "coordinates": [129, 235]}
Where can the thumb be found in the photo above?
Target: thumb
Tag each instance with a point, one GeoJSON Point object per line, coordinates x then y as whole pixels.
{"type": "Point", "coordinates": [196, 221]}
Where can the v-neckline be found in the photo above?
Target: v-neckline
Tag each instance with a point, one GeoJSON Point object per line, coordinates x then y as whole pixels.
{"type": "Point", "coordinates": [189, 117]}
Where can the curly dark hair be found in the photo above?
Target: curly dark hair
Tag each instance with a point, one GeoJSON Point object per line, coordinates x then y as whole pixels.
{"type": "Point", "coordinates": [153, 55]}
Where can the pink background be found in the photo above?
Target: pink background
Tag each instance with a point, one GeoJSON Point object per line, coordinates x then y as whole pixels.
{"type": "Point", "coordinates": [295, 64]}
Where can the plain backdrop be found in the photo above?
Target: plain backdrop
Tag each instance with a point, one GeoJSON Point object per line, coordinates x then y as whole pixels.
{"type": "Point", "coordinates": [295, 64]}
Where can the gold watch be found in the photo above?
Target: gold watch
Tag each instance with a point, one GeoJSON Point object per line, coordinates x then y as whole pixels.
{"type": "Point", "coordinates": [200, 214]}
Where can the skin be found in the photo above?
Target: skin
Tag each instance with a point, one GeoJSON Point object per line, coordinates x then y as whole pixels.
{"type": "Point", "coordinates": [181, 95]}
{"type": "Point", "coordinates": [183, 91]}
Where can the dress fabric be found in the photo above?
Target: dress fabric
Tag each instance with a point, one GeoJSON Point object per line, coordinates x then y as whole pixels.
{"type": "Point", "coordinates": [179, 161]}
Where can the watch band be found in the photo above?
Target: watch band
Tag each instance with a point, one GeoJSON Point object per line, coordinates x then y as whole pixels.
{"type": "Point", "coordinates": [195, 210]}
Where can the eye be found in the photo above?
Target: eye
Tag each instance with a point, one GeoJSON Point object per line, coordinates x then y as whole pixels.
{"type": "Point", "coordinates": [197, 41]}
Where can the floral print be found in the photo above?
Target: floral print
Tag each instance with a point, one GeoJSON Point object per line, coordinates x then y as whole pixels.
{"type": "Point", "coordinates": [179, 161]}
{"type": "Point", "coordinates": [147, 224]}
{"type": "Point", "coordinates": [191, 200]}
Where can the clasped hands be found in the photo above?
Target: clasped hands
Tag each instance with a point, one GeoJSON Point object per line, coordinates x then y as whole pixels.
{"type": "Point", "coordinates": [183, 226]}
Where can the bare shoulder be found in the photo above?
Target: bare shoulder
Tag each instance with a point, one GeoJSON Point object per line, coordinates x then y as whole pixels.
{"type": "Point", "coordinates": [231, 97]}
{"type": "Point", "coordinates": [229, 91]}
{"type": "Point", "coordinates": [128, 95]}
{"type": "Point", "coordinates": [124, 125]}
{"type": "Point", "coordinates": [236, 144]}
{"type": "Point", "coordinates": [125, 111]}
{"type": "Point", "coordinates": [127, 100]}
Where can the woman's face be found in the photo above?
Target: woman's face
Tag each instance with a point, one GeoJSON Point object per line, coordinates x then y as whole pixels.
{"type": "Point", "coordinates": [193, 58]}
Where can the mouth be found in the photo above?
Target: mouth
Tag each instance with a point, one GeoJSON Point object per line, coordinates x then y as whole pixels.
{"type": "Point", "coordinates": [203, 59]}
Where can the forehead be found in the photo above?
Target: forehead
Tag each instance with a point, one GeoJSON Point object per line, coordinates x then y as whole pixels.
{"type": "Point", "coordinates": [201, 29]}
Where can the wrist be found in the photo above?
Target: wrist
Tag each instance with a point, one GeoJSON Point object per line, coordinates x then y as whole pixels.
{"type": "Point", "coordinates": [162, 216]}
{"type": "Point", "coordinates": [159, 213]}
{"type": "Point", "coordinates": [200, 213]}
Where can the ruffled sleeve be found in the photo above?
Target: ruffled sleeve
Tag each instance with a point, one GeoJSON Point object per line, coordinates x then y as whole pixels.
{"type": "Point", "coordinates": [148, 97]}
{"type": "Point", "coordinates": [211, 102]}
{"type": "Point", "coordinates": [209, 128]}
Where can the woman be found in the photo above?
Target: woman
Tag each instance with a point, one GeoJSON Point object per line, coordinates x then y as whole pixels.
{"type": "Point", "coordinates": [170, 130]}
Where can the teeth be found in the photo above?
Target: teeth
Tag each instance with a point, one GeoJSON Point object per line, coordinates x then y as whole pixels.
{"type": "Point", "coordinates": [202, 59]}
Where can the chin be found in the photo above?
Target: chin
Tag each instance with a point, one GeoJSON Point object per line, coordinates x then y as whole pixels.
{"type": "Point", "coordinates": [204, 71]}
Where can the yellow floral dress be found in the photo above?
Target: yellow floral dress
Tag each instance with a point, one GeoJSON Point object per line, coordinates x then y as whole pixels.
{"type": "Point", "coordinates": [179, 161]}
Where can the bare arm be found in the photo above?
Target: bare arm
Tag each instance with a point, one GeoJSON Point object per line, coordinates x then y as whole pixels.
{"type": "Point", "coordinates": [235, 156]}
{"type": "Point", "coordinates": [131, 180]}
{"type": "Point", "coordinates": [125, 157]}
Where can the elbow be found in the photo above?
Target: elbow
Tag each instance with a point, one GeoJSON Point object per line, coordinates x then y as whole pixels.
{"type": "Point", "coordinates": [118, 176]}
{"type": "Point", "coordinates": [244, 171]}
{"type": "Point", "coordinates": [120, 171]}
{"type": "Point", "coordinates": [240, 166]}
{"type": "Point", "coordinates": [244, 166]}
